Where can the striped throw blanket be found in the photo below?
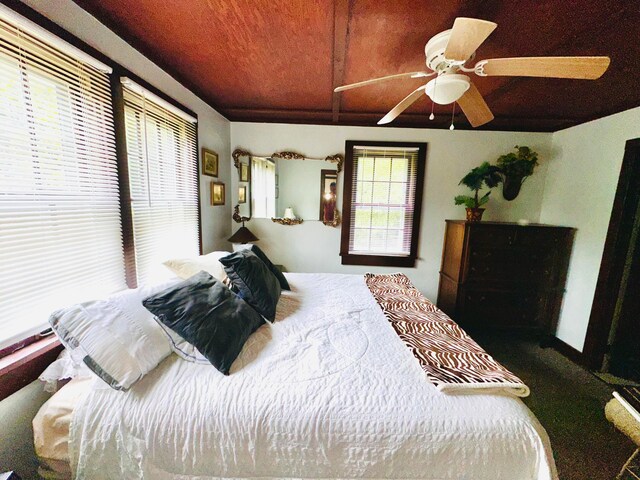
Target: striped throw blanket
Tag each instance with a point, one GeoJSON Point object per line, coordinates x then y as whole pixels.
{"type": "Point", "coordinates": [452, 360]}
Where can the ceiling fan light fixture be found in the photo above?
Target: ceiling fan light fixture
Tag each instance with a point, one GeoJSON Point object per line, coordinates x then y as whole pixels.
{"type": "Point", "coordinates": [450, 88]}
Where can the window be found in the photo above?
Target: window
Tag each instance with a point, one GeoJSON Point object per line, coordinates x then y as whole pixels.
{"type": "Point", "coordinates": [263, 187]}
{"type": "Point", "coordinates": [60, 231]}
{"type": "Point", "coordinates": [381, 205]}
{"type": "Point", "coordinates": [162, 156]}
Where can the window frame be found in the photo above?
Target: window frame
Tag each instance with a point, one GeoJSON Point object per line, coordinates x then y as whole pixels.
{"type": "Point", "coordinates": [381, 260]}
{"type": "Point", "coordinates": [63, 191]}
{"type": "Point", "coordinates": [23, 361]}
{"type": "Point", "coordinates": [126, 207]}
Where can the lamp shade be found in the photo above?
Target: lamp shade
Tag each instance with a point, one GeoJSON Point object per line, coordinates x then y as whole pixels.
{"type": "Point", "coordinates": [243, 235]}
{"type": "Point", "coordinates": [288, 213]}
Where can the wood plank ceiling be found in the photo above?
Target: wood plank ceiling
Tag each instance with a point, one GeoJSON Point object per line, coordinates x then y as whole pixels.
{"type": "Point", "coordinates": [279, 60]}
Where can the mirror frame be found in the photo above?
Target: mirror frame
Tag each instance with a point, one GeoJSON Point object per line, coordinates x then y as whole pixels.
{"type": "Point", "coordinates": [338, 159]}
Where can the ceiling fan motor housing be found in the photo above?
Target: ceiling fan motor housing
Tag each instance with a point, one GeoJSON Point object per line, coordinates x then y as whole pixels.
{"type": "Point", "coordinates": [434, 53]}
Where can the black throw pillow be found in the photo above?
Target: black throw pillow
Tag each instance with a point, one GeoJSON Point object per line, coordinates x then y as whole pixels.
{"type": "Point", "coordinates": [208, 315]}
{"type": "Point", "coordinates": [279, 275]}
{"type": "Point", "coordinates": [253, 281]}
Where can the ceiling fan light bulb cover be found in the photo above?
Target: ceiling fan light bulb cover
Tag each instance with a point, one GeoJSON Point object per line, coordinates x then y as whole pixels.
{"type": "Point", "coordinates": [448, 88]}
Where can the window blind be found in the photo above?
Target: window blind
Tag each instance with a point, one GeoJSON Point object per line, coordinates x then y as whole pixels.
{"type": "Point", "coordinates": [60, 232]}
{"type": "Point", "coordinates": [162, 156]}
{"type": "Point", "coordinates": [383, 200]}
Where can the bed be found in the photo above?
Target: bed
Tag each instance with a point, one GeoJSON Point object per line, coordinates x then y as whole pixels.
{"type": "Point", "coordinates": [327, 391]}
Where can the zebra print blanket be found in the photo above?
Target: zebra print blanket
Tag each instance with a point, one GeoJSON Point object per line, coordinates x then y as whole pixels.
{"type": "Point", "coordinates": [452, 360]}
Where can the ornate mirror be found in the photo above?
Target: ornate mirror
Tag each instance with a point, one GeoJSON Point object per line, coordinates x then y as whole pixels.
{"type": "Point", "coordinates": [288, 187]}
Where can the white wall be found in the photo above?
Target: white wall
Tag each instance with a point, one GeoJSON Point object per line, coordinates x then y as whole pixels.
{"type": "Point", "coordinates": [213, 128]}
{"type": "Point", "coordinates": [314, 247]}
{"type": "Point", "coordinates": [579, 190]}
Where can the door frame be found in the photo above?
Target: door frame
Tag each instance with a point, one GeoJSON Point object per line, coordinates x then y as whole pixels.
{"type": "Point", "coordinates": [613, 258]}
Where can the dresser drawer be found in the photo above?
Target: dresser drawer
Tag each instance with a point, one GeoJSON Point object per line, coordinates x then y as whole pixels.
{"type": "Point", "coordinates": [503, 309]}
{"type": "Point", "coordinates": [490, 236]}
{"type": "Point", "coordinates": [511, 265]}
{"type": "Point", "coordinates": [503, 236]}
{"type": "Point", "coordinates": [538, 238]}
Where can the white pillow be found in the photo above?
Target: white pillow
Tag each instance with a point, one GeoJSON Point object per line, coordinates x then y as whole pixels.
{"type": "Point", "coordinates": [117, 338]}
{"type": "Point", "coordinates": [188, 267]}
{"type": "Point", "coordinates": [63, 368]}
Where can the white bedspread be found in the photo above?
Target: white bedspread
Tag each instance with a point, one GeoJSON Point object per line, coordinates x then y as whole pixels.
{"type": "Point", "coordinates": [328, 391]}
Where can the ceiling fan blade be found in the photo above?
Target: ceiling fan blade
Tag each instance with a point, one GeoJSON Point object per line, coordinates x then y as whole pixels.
{"type": "Point", "coordinates": [586, 68]}
{"type": "Point", "coordinates": [402, 106]}
{"type": "Point", "coordinates": [382, 79]}
{"type": "Point", "coordinates": [466, 36]}
{"type": "Point", "coordinates": [474, 107]}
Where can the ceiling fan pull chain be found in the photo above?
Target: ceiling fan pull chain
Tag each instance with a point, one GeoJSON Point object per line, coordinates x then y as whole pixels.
{"type": "Point", "coordinates": [435, 84]}
{"type": "Point", "coordinates": [453, 112]}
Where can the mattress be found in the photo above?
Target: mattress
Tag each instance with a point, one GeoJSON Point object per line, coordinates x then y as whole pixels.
{"type": "Point", "coordinates": [327, 391]}
{"type": "Point", "coordinates": [51, 428]}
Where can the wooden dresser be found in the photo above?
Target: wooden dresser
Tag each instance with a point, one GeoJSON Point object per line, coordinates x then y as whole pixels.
{"type": "Point", "coordinates": [503, 275]}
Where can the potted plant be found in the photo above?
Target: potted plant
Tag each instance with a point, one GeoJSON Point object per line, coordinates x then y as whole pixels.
{"type": "Point", "coordinates": [485, 174]}
{"type": "Point", "coordinates": [515, 168]}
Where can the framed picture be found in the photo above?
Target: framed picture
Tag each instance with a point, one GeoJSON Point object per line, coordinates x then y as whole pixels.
{"type": "Point", "coordinates": [244, 172]}
{"type": "Point", "coordinates": [217, 193]}
{"type": "Point", "coordinates": [209, 163]}
{"type": "Point", "coordinates": [242, 195]}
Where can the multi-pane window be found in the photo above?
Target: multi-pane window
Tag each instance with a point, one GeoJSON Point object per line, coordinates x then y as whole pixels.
{"type": "Point", "coordinates": [61, 217]}
{"type": "Point", "coordinates": [60, 231]}
{"type": "Point", "coordinates": [383, 194]}
{"type": "Point", "coordinates": [162, 153]}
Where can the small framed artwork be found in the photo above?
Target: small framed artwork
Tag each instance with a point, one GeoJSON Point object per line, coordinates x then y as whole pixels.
{"type": "Point", "coordinates": [209, 163]}
{"type": "Point", "coordinates": [217, 193]}
{"type": "Point", "coordinates": [242, 195]}
{"type": "Point", "coordinates": [244, 172]}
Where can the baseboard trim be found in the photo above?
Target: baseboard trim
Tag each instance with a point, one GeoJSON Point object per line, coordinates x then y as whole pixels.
{"type": "Point", "coordinates": [567, 350]}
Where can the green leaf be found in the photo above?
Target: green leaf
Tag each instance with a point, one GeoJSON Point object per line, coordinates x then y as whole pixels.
{"type": "Point", "coordinates": [465, 200]}
{"type": "Point", "coordinates": [484, 199]}
{"type": "Point", "coordinates": [486, 174]}
{"type": "Point", "coordinates": [520, 164]}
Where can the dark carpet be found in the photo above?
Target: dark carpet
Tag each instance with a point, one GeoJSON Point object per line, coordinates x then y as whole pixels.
{"type": "Point", "coordinates": [569, 402]}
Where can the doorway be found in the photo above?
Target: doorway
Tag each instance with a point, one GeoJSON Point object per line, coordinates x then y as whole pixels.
{"type": "Point", "coordinates": [612, 345]}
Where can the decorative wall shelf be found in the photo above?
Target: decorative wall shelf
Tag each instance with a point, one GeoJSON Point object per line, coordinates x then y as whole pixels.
{"type": "Point", "coordinates": [287, 221]}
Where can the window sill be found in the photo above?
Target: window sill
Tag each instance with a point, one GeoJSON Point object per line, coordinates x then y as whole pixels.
{"type": "Point", "coordinates": [378, 260]}
{"type": "Point", "coordinates": [25, 365]}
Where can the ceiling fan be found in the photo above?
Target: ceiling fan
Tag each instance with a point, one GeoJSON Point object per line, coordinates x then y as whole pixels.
{"type": "Point", "coordinates": [449, 51]}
